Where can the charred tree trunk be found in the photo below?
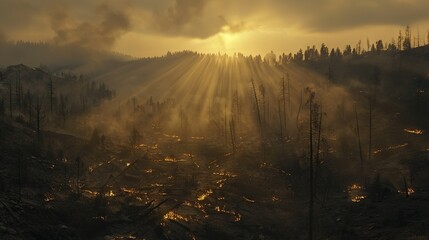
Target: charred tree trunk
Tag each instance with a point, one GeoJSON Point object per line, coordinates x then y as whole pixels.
{"type": "Point", "coordinates": [280, 120]}
{"type": "Point", "coordinates": [284, 104]}
{"type": "Point", "coordinates": [10, 98]}
{"type": "Point", "coordinates": [311, 203]}
{"type": "Point", "coordinates": [360, 144]}
{"type": "Point", "coordinates": [370, 130]}
{"type": "Point", "coordinates": [257, 109]}
{"type": "Point", "coordinates": [319, 136]}
{"type": "Point", "coordinates": [38, 117]}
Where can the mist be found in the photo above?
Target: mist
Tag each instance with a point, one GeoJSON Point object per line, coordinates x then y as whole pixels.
{"type": "Point", "coordinates": [322, 142]}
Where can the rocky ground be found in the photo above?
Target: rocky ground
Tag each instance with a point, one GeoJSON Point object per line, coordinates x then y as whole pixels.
{"type": "Point", "coordinates": [170, 188]}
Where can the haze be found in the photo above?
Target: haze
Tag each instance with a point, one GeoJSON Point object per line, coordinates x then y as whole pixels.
{"type": "Point", "coordinates": [151, 28]}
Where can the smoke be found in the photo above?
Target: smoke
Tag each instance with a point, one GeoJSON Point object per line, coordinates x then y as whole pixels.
{"type": "Point", "coordinates": [194, 18]}
{"type": "Point", "coordinates": [104, 29]}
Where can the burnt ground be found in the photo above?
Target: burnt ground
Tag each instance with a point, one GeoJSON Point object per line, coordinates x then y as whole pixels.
{"type": "Point", "coordinates": [169, 188]}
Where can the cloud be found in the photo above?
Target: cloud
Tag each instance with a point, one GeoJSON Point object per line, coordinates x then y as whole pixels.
{"type": "Point", "coordinates": [337, 15]}
{"type": "Point", "coordinates": [100, 32]}
{"type": "Point", "coordinates": [186, 18]}
{"type": "Point", "coordinates": [100, 23]}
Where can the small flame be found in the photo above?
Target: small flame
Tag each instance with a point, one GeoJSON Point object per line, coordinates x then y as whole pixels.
{"type": "Point", "coordinates": [237, 216]}
{"type": "Point", "coordinates": [205, 195]}
{"type": "Point", "coordinates": [414, 131]}
{"type": "Point", "coordinates": [410, 191]}
{"type": "Point", "coordinates": [175, 216]}
{"type": "Point", "coordinates": [356, 193]}
{"type": "Point", "coordinates": [49, 197]}
{"type": "Point", "coordinates": [110, 194]}
{"type": "Point", "coordinates": [358, 198]}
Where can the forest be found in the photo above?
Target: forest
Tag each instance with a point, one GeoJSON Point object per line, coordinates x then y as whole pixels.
{"type": "Point", "coordinates": [324, 143]}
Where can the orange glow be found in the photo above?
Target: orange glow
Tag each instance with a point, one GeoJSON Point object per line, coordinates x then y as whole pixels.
{"type": "Point", "coordinates": [414, 131]}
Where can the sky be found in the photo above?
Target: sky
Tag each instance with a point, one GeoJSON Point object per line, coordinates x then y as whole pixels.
{"type": "Point", "coordinates": [153, 27]}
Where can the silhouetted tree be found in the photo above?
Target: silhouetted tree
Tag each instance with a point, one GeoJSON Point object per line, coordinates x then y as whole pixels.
{"type": "Point", "coordinates": [400, 39]}
{"type": "Point", "coordinates": [324, 51]}
{"type": "Point", "coordinates": [347, 50]}
{"type": "Point", "coordinates": [379, 45]}
{"type": "Point", "coordinates": [407, 39]}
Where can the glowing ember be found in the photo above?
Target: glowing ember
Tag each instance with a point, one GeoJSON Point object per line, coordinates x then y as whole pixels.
{"type": "Point", "coordinates": [221, 182]}
{"type": "Point", "coordinates": [356, 193]}
{"type": "Point", "coordinates": [248, 199]}
{"type": "Point", "coordinates": [170, 159]}
{"type": "Point", "coordinates": [110, 194]}
{"type": "Point", "coordinates": [205, 195]}
{"type": "Point", "coordinates": [274, 198]}
{"type": "Point", "coordinates": [391, 148]}
{"type": "Point", "coordinates": [175, 216]}
{"type": "Point", "coordinates": [414, 131]}
{"type": "Point", "coordinates": [225, 174]}
{"type": "Point", "coordinates": [128, 190]}
{"type": "Point", "coordinates": [49, 197]}
{"type": "Point", "coordinates": [410, 191]}
{"type": "Point", "coordinates": [157, 185]}
{"type": "Point", "coordinates": [355, 187]}
{"type": "Point", "coordinates": [173, 159]}
{"type": "Point", "coordinates": [358, 198]}
{"type": "Point", "coordinates": [237, 216]}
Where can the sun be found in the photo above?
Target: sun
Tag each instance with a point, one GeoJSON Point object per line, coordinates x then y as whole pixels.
{"type": "Point", "coordinates": [228, 41]}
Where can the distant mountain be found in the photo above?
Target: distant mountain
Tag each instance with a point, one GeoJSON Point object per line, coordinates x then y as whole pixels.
{"type": "Point", "coordinates": [58, 57]}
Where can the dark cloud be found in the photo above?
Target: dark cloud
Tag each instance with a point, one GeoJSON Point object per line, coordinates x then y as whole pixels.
{"type": "Point", "coordinates": [186, 18]}
{"type": "Point", "coordinates": [334, 15]}
{"type": "Point", "coordinates": [99, 23]}
{"type": "Point", "coordinates": [101, 32]}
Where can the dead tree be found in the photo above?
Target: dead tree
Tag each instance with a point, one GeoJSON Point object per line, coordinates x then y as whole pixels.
{"type": "Point", "coordinates": [311, 202]}
{"type": "Point", "coordinates": [257, 109]}
{"type": "Point", "coordinates": [18, 90]}
{"type": "Point", "coordinates": [318, 143]}
{"type": "Point", "coordinates": [370, 130]}
{"type": "Point", "coordinates": [38, 116]}
{"type": "Point", "coordinates": [63, 110]}
{"type": "Point", "coordinates": [280, 119]}
{"type": "Point", "coordinates": [10, 98]}
{"type": "Point", "coordinates": [51, 94]}
{"type": "Point", "coordinates": [264, 109]}
{"type": "Point", "coordinates": [297, 116]}
{"type": "Point", "coordinates": [359, 142]}
{"type": "Point", "coordinates": [232, 133]}
{"type": "Point", "coordinates": [284, 104]}
{"type": "Point", "coordinates": [29, 99]}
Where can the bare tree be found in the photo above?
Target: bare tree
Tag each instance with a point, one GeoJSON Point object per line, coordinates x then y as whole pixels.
{"type": "Point", "coordinates": [39, 106]}
{"type": "Point", "coordinates": [51, 94]}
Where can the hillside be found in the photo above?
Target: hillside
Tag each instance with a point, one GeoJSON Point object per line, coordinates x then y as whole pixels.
{"type": "Point", "coordinates": [198, 146]}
